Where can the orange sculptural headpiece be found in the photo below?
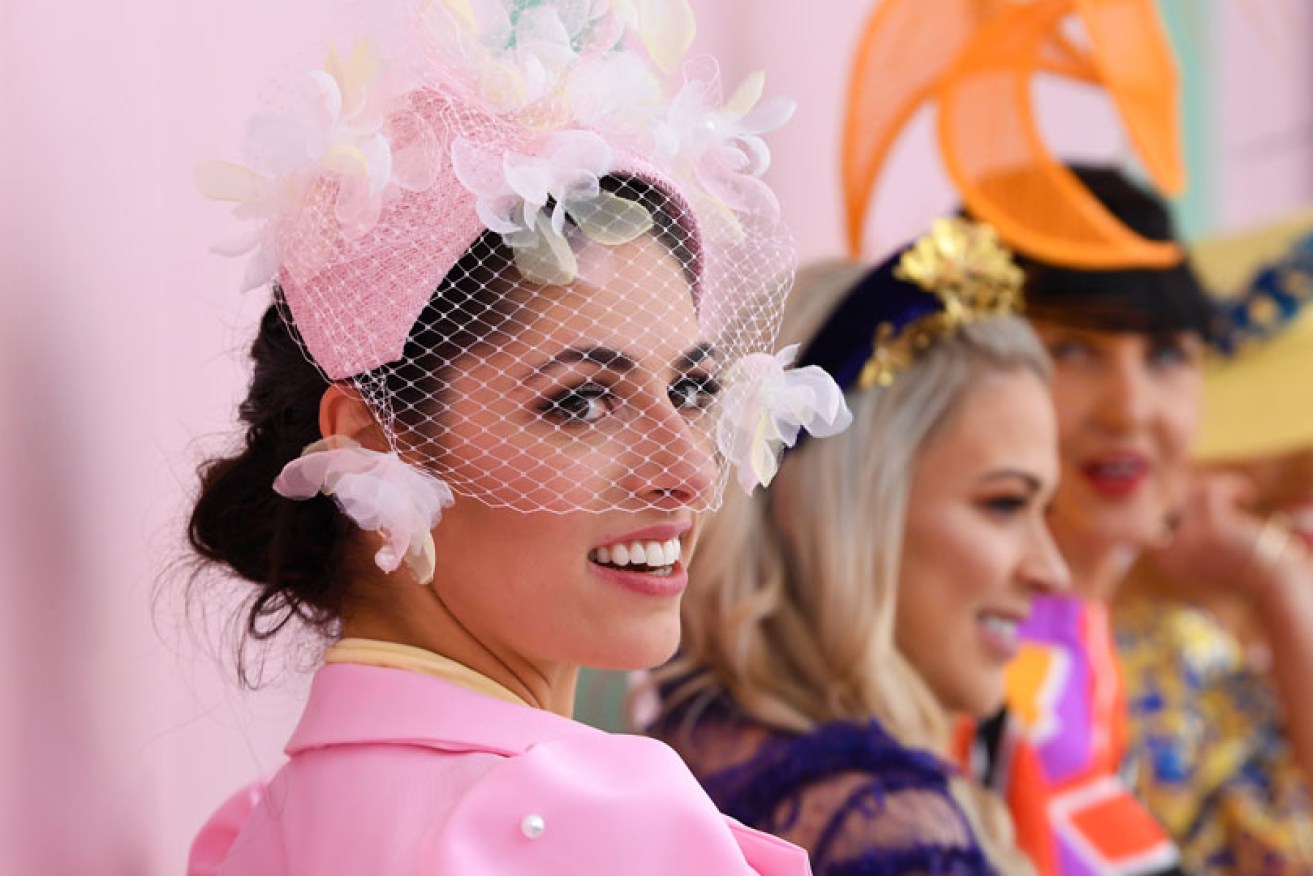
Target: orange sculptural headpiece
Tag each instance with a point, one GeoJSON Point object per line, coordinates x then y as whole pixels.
{"type": "Point", "coordinates": [975, 59]}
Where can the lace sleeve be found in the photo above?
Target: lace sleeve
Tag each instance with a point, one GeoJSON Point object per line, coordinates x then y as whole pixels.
{"type": "Point", "coordinates": [855, 826]}
{"type": "Point", "coordinates": [857, 800]}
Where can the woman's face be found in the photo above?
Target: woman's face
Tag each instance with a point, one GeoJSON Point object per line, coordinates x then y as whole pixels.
{"type": "Point", "coordinates": [592, 414]}
{"type": "Point", "coordinates": [977, 550]}
{"type": "Point", "coordinates": [1128, 410]}
{"type": "Point", "coordinates": [1282, 484]}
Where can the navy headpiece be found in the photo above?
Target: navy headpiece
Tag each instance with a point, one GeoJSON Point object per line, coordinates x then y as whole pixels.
{"type": "Point", "coordinates": [955, 274]}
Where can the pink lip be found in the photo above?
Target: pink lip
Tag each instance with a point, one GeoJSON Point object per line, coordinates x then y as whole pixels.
{"type": "Point", "coordinates": [645, 584]}
{"type": "Point", "coordinates": [664, 532]}
{"type": "Point", "coordinates": [1116, 475]}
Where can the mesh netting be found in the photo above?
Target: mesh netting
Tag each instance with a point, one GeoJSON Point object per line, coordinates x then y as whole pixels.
{"type": "Point", "coordinates": [534, 252]}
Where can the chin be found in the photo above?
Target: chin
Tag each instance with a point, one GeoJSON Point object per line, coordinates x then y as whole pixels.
{"type": "Point", "coordinates": [982, 699]}
{"type": "Point", "coordinates": [639, 652]}
{"type": "Point", "coordinates": [986, 707]}
{"type": "Point", "coordinates": [1094, 520]}
{"type": "Point", "coordinates": [1131, 528]}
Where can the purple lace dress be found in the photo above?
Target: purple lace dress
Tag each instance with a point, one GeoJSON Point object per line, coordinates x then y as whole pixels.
{"type": "Point", "coordinates": [861, 803]}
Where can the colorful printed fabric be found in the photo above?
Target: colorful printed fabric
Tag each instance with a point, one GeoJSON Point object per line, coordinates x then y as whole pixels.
{"type": "Point", "coordinates": [1065, 709]}
{"type": "Point", "coordinates": [1206, 737]}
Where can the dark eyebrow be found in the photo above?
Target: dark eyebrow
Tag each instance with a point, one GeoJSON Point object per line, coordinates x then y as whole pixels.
{"type": "Point", "coordinates": [1033, 484]}
{"type": "Point", "coordinates": [694, 357]}
{"type": "Point", "coordinates": [603, 356]}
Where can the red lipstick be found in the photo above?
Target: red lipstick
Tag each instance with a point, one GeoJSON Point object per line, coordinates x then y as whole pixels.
{"type": "Point", "coordinates": [1116, 476]}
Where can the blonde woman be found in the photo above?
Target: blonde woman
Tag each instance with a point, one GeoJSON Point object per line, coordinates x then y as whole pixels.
{"type": "Point", "coordinates": [838, 620]}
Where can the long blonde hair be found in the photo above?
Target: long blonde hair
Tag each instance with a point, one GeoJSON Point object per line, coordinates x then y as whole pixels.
{"type": "Point", "coordinates": [794, 590]}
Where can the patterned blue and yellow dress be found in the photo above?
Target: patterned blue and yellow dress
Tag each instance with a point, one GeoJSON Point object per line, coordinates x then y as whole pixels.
{"type": "Point", "coordinates": [1207, 746]}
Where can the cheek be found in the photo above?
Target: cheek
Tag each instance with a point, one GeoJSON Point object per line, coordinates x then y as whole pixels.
{"type": "Point", "coordinates": [1182, 410]}
{"type": "Point", "coordinates": [950, 564]}
{"type": "Point", "coordinates": [1177, 404]}
{"type": "Point", "coordinates": [1072, 404]}
{"type": "Point", "coordinates": [497, 460]}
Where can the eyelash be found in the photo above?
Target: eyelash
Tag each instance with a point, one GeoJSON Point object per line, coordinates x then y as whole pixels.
{"type": "Point", "coordinates": [1006, 506]}
{"type": "Point", "coordinates": [1067, 350]}
{"type": "Point", "coordinates": [577, 405]}
{"type": "Point", "coordinates": [1168, 352]}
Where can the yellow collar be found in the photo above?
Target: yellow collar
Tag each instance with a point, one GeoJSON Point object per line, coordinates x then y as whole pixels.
{"type": "Point", "coordinates": [391, 655]}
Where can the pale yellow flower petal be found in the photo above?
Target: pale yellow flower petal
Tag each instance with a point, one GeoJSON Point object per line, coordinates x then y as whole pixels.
{"type": "Point", "coordinates": [667, 28]}
{"type": "Point", "coordinates": [745, 97]}
{"type": "Point", "coordinates": [226, 181]}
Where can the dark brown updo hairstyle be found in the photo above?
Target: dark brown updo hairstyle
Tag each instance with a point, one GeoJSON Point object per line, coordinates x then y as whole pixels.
{"type": "Point", "coordinates": [1152, 301]}
{"type": "Point", "coordinates": [296, 552]}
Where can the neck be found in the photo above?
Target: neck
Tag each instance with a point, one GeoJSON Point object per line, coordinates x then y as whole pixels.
{"type": "Point", "coordinates": [417, 616]}
{"type": "Point", "coordinates": [1097, 568]}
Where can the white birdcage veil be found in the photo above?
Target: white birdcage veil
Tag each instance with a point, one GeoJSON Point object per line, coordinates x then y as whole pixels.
{"type": "Point", "coordinates": [527, 234]}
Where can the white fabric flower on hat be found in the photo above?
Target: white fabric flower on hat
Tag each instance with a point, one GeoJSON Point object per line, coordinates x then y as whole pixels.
{"type": "Point", "coordinates": [344, 125]}
{"type": "Point", "coordinates": [380, 492]}
{"type": "Point", "coordinates": [665, 27]}
{"type": "Point", "coordinates": [526, 197]}
{"type": "Point", "coordinates": [721, 143]}
{"type": "Point", "coordinates": [531, 55]}
{"type": "Point", "coordinates": [515, 53]}
{"type": "Point", "coordinates": [766, 404]}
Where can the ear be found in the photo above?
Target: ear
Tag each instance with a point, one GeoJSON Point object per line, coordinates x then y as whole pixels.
{"type": "Point", "coordinates": [343, 412]}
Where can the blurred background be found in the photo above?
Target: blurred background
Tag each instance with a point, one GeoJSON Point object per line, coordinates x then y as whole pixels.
{"type": "Point", "coordinates": [122, 342]}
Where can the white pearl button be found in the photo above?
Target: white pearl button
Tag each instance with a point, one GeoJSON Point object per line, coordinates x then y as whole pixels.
{"type": "Point", "coordinates": [533, 826]}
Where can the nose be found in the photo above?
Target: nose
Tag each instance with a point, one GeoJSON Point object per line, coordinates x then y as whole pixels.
{"type": "Point", "coordinates": [671, 464]}
{"type": "Point", "coordinates": [1043, 569]}
{"type": "Point", "coordinates": [1125, 399]}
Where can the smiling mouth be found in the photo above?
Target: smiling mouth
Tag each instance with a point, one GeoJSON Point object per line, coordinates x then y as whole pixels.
{"type": "Point", "coordinates": [657, 558]}
{"type": "Point", "coordinates": [1001, 633]}
{"type": "Point", "coordinates": [1116, 476]}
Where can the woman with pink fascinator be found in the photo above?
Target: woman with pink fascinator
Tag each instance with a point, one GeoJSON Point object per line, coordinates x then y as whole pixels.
{"type": "Point", "coordinates": [525, 292]}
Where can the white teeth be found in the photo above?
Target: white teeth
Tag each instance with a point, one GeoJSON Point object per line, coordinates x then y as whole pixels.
{"type": "Point", "coordinates": [1119, 469]}
{"type": "Point", "coordinates": [656, 555]}
{"type": "Point", "coordinates": [1001, 626]}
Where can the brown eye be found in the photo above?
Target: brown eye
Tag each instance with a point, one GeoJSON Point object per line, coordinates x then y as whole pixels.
{"type": "Point", "coordinates": [694, 392]}
{"type": "Point", "coordinates": [1069, 350]}
{"type": "Point", "coordinates": [587, 403]}
{"type": "Point", "coordinates": [1169, 352]}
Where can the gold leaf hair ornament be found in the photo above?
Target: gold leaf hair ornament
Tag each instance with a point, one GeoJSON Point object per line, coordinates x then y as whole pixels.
{"type": "Point", "coordinates": [964, 265]}
{"type": "Point", "coordinates": [956, 274]}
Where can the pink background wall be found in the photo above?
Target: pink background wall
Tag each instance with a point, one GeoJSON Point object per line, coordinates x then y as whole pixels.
{"type": "Point", "coordinates": [119, 366]}
{"type": "Point", "coordinates": [1262, 128]}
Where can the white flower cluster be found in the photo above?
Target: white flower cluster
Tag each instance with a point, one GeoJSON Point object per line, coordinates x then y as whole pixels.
{"type": "Point", "coordinates": [584, 76]}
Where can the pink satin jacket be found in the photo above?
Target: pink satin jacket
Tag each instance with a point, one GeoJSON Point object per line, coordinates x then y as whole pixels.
{"type": "Point", "coordinates": [393, 772]}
